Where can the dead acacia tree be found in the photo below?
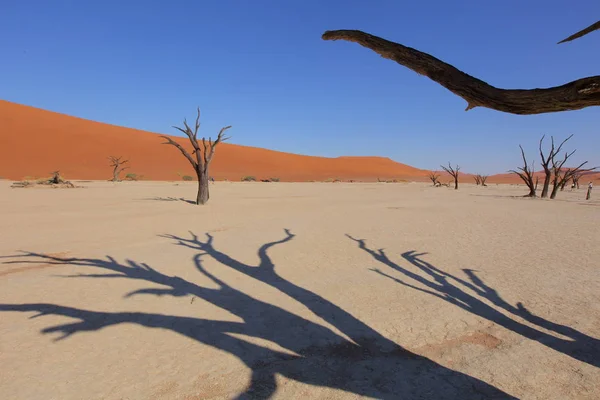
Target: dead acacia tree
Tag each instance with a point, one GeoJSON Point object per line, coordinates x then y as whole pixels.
{"type": "Point", "coordinates": [118, 166]}
{"type": "Point", "coordinates": [548, 161]}
{"type": "Point", "coordinates": [203, 155]}
{"type": "Point", "coordinates": [526, 173]}
{"type": "Point", "coordinates": [562, 175]}
{"type": "Point", "coordinates": [482, 179]}
{"type": "Point", "coordinates": [434, 177]}
{"type": "Point", "coordinates": [453, 173]}
{"type": "Point", "coordinates": [574, 95]}
{"type": "Point", "coordinates": [576, 177]}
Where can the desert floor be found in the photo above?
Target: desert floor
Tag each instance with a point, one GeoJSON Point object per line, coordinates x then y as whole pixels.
{"type": "Point", "coordinates": [296, 291]}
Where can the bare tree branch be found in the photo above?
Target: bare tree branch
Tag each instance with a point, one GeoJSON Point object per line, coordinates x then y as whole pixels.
{"type": "Point", "coordinates": [181, 149]}
{"type": "Point", "coordinates": [575, 95]}
{"type": "Point", "coordinates": [583, 32]}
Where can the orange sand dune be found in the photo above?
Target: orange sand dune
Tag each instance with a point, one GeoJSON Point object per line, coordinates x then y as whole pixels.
{"type": "Point", "coordinates": [35, 142]}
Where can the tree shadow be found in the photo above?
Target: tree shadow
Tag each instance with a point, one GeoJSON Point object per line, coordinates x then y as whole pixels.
{"type": "Point", "coordinates": [171, 199]}
{"type": "Point", "coordinates": [469, 294]}
{"type": "Point", "coordinates": [360, 361]}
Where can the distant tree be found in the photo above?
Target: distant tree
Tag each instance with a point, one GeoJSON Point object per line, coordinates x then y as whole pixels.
{"type": "Point", "coordinates": [560, 174]}
{"type": "Point", "coordinates": [576, 176]}
{"type": "Point", "coordinates": [203, 155]}
{"type": "Point", "coordinates": [118, 166]}
{"type": "Point", "coordinates": [548, 161]}
{"type": "Point", "coordinates": [482, 179]}
{"type": "Point", "coordinates": [526, 173]}
{"type": "Point", "coordinates": [434, 177]}
{"type": "Point", "coordinates": [453, 172]}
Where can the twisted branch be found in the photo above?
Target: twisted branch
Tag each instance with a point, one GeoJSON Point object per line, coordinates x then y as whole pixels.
{"type": "Point", "coordinates": [574, 95]}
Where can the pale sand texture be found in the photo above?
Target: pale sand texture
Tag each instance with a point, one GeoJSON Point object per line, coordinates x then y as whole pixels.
{"type": "Point", "coordinates": [321, 316]}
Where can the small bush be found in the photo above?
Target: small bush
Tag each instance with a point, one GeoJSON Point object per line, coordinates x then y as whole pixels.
{"type": "Point", "coordinates": [248, 179]}
{"type": "Point", "coordinates": [187, 178]}
{"type": "Point", "coordinates": [132, 177]}
{"type": "Point", "coordinates": [274, 179]}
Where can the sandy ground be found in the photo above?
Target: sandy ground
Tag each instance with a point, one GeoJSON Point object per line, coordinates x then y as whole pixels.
{"type": "Point", "coordinates": [295, 291]}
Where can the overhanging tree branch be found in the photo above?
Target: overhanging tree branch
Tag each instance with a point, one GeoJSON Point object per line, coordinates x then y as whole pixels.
{"type": "Point", "coordinates": [583, 32]}
{"type": "Point", "coordinates": [574, 95]}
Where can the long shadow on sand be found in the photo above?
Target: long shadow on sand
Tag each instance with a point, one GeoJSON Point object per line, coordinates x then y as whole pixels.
{"type": "Point", "coordinates": [171, 199]}
{"type": "Point", "coordinates": [362, 363]}
{"type": "Point", "coordinates": [469, 294]}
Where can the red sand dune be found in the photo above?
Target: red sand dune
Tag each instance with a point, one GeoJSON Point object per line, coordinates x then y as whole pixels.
{"type": "Point", "coordinates": [35, 142]}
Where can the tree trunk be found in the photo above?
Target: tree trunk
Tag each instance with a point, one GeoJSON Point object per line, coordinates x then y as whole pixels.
{"type": "Point", "coordinates": [203, 194]}
{"type": "Point", "coordinates": [555, 188]}
{"type": "Point", "coordinates": [116, 174]}
{"type": "Point", "coordinates": [456, 182]}
{"type": "Point", "coordinates": [546, 184]}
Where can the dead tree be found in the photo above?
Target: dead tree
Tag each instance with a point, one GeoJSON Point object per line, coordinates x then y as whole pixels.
{"type": "Point", "coordinates": [453, 172]}
{"type": "Point", "coordinates": [56, 178]}
{"type": "Point", "coordinates": [562, 175]}
{"type": "Point", "coordinates": [548, 161]}
{"type": "Point", "coordinates": [203, 155]}
{"type": "Point", "coordinates": [118, 167]}
{"type": "Point", "coordinates": [575, 95]}
{"type": "Point", "coordinates": [562, 187]}
{"type": "Point", "coordinates": [434, 177]}
{"type": "Point", "coordinates": [526, 174]}
{"type": "Point", "coordinates": [482, 179]}
{"type": "Point", "coordinates": [576, 177]}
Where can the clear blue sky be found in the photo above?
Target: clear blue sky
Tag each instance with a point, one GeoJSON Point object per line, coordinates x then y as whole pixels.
{"type": "Point", "coordinates": [262, 67]}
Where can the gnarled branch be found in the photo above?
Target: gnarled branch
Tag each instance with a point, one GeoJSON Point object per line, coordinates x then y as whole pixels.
{"type": "Point", "coordinates": [582, 32]}
{"type": "Point", "coordinates": [575, 95]}
{"type": "Point", "coordinates": [181, 149]}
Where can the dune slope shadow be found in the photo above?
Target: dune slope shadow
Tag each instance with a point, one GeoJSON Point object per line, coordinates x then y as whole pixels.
{"type": "Point", "coordinates": [367, 364]}
{"type": "Point", "coordinates": [469, 294]}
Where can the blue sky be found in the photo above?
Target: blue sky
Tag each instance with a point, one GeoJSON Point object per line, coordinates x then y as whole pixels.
{"type": "Point", "coordinates": [262, 67]}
